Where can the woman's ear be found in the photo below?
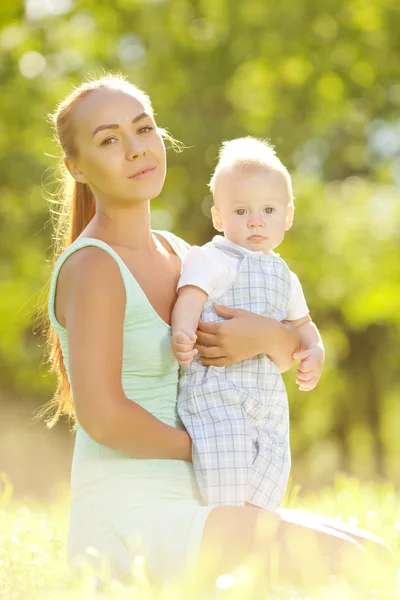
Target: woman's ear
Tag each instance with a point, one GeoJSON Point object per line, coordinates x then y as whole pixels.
{"type": "Point", "coordinates": [74, 169]}
{"type": "Point", "coordinates": [216, 219]}
{"type": "Point", "coordinates": [289, 217]}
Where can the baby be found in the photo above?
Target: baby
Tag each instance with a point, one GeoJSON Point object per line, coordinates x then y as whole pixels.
{"type": "Point", "coordinates": [238, 416]}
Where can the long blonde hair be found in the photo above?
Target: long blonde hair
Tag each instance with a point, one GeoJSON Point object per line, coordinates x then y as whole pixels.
{"type": "Point", "coordinates": [76, 206]}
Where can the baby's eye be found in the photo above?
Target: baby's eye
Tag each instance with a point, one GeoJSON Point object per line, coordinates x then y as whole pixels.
{"type": "Point", "coordinates": [269, 210]}
{"type": "Point", "coordinates": [108, 141]}
{"type": "Point", "coordinates": [240, 211]}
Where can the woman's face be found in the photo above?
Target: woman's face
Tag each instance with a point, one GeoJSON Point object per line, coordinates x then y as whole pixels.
{"type": "Point", "coordinates": [120, 151]}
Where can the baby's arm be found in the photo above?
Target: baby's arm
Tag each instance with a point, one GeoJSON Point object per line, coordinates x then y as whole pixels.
{"type": "Point", "coordinates": [311, 354]}
{"type": "Point", "coordinates": [185, 318]}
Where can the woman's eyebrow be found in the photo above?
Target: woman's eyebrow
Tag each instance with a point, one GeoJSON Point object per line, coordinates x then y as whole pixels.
{"type": "Point", "coordinates": [142, 115]}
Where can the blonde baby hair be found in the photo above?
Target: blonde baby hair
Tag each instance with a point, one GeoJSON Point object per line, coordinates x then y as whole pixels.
{"type": "Point", "coordinates": [248, 153]}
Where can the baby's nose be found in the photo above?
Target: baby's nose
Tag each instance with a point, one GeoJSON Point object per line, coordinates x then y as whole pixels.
{"type": "Point", "coordinates": [256, 221]}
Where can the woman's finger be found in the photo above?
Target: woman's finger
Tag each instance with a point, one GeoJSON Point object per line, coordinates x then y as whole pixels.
{"type": "Point", "coordinates": [225, 311]}
{"type": "Point", "coordinates": [210, 351]}
{"type": "Point", "coordinates": [206, 339]}
{"type": "Point", "coordinates": [214, 362]}
{"type": "Point", "coordinates": [208, 327]}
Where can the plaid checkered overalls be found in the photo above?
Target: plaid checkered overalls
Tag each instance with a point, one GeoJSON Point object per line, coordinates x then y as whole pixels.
{"type": "Point", "coordinates": [238, 416]}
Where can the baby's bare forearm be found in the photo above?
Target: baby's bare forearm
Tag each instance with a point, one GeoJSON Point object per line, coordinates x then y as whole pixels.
{"type": "Point", "coordinates": [310, 337]}
{"type": "Point", "coordinates": [187, 310]}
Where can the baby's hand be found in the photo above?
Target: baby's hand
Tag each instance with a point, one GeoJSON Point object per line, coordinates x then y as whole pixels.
{"type": "Point", "coordinates": [310, 368]}
{"type": "Point", "coordinates": [182, 346]}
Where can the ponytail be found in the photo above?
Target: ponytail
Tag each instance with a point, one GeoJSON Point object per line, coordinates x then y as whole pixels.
{"type": "Point", "coordinates": [78, 207]}
{"type": "Point", "coordinates": [83, 208]}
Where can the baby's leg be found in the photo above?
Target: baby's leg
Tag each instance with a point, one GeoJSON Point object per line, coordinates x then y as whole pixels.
{"type": "Point", "coordinates": [267, 410]}
{"type": "Point", "coordinates": [222, 444]}
{"type": "Point", "coordinates": [270, 471]}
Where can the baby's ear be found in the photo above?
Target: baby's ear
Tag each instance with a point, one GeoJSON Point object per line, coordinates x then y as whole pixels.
{"type": "Point", "coordinates": [216, 219]}
{"type": "Point", "coordinates": [289, 217]}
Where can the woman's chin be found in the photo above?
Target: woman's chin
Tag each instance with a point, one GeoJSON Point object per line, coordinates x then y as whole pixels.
{"type": "Point", "coordinates": [148, 189]}
{"type": "Point", "coordinates": [137, 196]}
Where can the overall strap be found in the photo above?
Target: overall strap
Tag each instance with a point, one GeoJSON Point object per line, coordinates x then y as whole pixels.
{"type": "Point", "coordinates": [230, 250]}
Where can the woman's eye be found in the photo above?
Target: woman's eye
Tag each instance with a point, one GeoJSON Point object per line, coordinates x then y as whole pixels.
{"type": "Point", "coordinates": [146, 129]}
{"type": "Point", "coordinates": [269, 210]}
{"type": "Point", "coordinates": [108, 141]}
{"type": "Point", "coordinates": [240, 211]}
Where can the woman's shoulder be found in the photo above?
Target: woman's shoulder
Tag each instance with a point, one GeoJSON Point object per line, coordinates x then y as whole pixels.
{"type": "Point", "coordinates": [88, 263]}
{"type": "Point", "coordinates": [86, 257]}
{"type": "Point", "coordinates": [179, 246]}
{"type": "Point", "coordinates": [81, 271]}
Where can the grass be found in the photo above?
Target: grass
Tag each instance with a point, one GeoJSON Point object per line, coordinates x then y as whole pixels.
{"type": "Point", "coordinates": [33, 535]}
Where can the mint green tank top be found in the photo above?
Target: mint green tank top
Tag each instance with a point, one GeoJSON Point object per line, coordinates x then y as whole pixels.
{"type": "Point", "coordinates": [150, 378]}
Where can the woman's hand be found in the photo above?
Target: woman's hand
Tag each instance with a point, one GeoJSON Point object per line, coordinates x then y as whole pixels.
{"type": "Point", "coordinates": [243, 335]}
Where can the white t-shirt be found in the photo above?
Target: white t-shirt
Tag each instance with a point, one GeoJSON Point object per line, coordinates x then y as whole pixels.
{"type": "Point", "coordinates": [213, 271]}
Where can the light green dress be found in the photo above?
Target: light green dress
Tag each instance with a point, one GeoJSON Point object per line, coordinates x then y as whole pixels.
{"type": "Point", "coordinates": [123, 507]}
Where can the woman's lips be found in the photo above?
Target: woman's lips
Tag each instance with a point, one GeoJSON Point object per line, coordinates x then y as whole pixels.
{"type": "Point", "coordinates": [143, 173]}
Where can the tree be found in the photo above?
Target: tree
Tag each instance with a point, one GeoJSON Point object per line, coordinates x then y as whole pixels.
{"type": "Point", "coordinates": [319, 80]}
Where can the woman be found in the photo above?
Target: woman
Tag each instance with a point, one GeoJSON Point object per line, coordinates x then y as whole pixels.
{"type": "Point", "coordinates": [112, 292]}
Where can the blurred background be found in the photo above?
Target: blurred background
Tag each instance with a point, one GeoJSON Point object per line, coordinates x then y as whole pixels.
{"type": "Point", "coordinates": [321, 80]}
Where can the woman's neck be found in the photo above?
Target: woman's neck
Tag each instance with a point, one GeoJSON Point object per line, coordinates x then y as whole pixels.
{"type": "Point", "coordinates": [127, 227]}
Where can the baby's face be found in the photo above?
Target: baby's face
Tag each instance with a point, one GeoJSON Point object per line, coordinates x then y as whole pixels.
{"type": "Point", "coordinates": [253, 208]}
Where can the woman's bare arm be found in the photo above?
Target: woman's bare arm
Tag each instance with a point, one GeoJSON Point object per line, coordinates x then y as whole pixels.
{"type": "Point", "coordinates": [93, 306]}
{"type": "Point", "coordinates": [243, 335]}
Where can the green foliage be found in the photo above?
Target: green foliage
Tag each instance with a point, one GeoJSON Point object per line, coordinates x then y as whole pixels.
{"type": "Point", "coordinates": [321, 80]}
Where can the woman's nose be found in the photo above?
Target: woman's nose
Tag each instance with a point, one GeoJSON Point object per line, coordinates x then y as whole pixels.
{"type": "Point", "coordinates": [134, 148]}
